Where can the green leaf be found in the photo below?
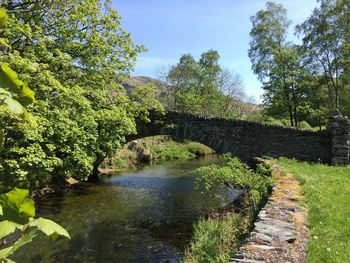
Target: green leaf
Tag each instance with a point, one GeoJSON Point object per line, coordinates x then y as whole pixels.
{"type": "Point", "coordinates": [5, 252]}
{"type": "Point", "coordinates": [1, 213]}
{"type": "Point", "coordinates": [9, 79]}
{"type": "Point", "coordinates": [7, 260]}
{"type": "Point", "coordinates": [13, 105]}
{"type": "Point", "coordinates": [3, 18]}
{"type": "Point", "coordinates": [7, 227]}
{"type": "Point", "coordinates": [26, 96]}
{"type": "Point", "coordinates": [25, 239]}
{"type": "Point", "coordinates": [4, 42]}
{"type": "Point", "coordinates": [49, 228]}
{"type": "Point", "coordinates": [4, 93]}
{"type": "Point", "coordinates": [17, 207]}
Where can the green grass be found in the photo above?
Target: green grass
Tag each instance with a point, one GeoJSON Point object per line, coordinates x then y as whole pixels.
{"type": "Point", "coordinates": [327, 192]}
{"type": "Point", "coordinates": [170, 150]}
{"type": "Point", "coordinates": [215, 239]}
{"type": "Point", "coordinates": [161, 147]}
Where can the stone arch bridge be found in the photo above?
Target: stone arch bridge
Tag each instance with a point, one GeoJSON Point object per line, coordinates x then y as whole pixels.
{"type": "Point", "coordinates": [248, 140]}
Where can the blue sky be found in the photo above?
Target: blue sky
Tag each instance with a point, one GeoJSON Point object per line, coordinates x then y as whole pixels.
{"type": "Point", "coordinates": [170, 29]}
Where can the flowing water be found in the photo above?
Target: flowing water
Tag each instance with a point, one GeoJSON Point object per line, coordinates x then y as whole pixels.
{"type": "Point", "coordinates": [145, 215]}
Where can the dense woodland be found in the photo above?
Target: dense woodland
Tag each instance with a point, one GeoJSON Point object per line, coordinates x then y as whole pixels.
{"type": "Point", "coordinates": [73, 55]}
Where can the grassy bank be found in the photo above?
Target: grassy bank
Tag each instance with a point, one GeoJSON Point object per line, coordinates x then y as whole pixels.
{"type": "Point", "coordinates": [218, 238]}
{"type": "Point", "coordinates": [154, 149]}
{"type": "Point", "coordinates": [327, 192]}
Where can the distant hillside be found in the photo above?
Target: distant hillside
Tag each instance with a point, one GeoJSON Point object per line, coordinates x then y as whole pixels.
{"type": "Point", "coordinates": [132, 82]}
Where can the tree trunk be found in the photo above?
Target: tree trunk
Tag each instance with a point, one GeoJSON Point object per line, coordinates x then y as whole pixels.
{"type": "Point", "coordinates": [95, 171]}
{"type": "Point", "coordinates": [295, 107]}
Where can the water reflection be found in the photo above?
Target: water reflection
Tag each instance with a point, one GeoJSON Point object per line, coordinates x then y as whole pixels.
{"type": "Point", "coordinates": [141, 216]}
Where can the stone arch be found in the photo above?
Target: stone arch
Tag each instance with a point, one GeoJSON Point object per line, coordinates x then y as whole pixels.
{"type": "Point", "coordinates": [243, 139]}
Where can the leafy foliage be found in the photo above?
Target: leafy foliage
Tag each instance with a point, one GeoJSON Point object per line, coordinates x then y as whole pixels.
{"type": "Point", "coordinates": [17, 225]}
{"type": "Point", "coordinates": [202, 87]}
{"type": "Point", "coordinates": [217, 238]}
{"type": "Point", "coordinates": [13, 92]}
{"type": "Point", "coordinates": [325, 34]}
{"type": "Point", "coordinates": [303, 82]}
{"type": "Point", "coordinates": [236, 174]}
{"type": "Point", "coordinates": [72, 54]}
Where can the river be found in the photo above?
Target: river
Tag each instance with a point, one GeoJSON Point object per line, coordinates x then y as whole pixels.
{"type": "Point", "coordinates": [145, 215]}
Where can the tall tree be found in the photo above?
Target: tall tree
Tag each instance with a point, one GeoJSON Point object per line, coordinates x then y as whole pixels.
{"type": "Point", "coordinates": [275, 60]}
{"type": "Point", "coordinates": [204, 87]}
{"type": "Point", "coordinates": [326, 34]}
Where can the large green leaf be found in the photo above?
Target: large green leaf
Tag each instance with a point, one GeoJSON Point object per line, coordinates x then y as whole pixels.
{"type": "Point", "coordinates": [49, 228]}
{"type": "Point", "coordinates": [4, 93]}
{"type": "Point", "coordinates": [13, 105]}
{"type": "Point", "coordinates": [17, 207]}
{"type": "Point", "coordinates": [9, 79]}
{"type": "Point", "coordinates": [7, 227]}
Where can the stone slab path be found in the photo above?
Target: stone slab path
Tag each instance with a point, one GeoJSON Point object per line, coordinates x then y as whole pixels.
{"type": "Point", "coordinates": [280, 233]}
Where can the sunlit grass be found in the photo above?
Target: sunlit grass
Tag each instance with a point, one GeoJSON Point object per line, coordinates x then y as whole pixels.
{"type": "Point", "coordinates": [327, 192]}
{"type": "Point", "coordinates": [216, 240]}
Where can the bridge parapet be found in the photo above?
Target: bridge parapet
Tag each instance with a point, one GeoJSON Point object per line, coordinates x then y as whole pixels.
{"type": "Point", "coordinates": [243, 139]}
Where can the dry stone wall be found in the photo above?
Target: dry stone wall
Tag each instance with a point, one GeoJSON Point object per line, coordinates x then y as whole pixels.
{"type": "Point", "coordinates": [339, 127]}
{"type": "Point", "coordinates": [248, 140]}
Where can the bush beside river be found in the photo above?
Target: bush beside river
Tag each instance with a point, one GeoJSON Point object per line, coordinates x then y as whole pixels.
{"type": "Point", "coordinates": [218, 237]}
{"type": "Point", "coordinates": [153, 149]}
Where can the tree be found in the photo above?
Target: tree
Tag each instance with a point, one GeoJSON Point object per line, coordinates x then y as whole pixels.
{"type": "Point", "coordinates": [16, 209]}
{"type": "Point", "coordinates": [72, 54]}
{"type": "Point", "coordinates": [269, 33]}
{"type": "Point", "coordinates": [203, 87]}
{"type": "Point", "coordinates": [276, 61]}
{"type": "Point", "coordinates": [235, 103]}
{"type": "Point", "coordinates": [325, 36]}
{"type": "Point", "coordinates": [180, 79]}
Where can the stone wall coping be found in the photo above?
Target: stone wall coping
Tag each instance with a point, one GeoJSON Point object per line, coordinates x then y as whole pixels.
{"type": "Point", "coordinates": [280, 234]}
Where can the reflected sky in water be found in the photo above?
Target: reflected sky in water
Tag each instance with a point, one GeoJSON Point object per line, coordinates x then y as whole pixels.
{"type": "Point", "coordinates": [140, 216]}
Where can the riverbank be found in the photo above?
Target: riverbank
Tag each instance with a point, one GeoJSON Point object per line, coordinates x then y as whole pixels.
{"type": "Point", "coordinates": [327, 197]}
{"type": "Point", "coordinates": [138, 153]}
{"type": "Point", "coordinates": [217, 238]}
{"type": "Point", "coordinates": [153, 150]}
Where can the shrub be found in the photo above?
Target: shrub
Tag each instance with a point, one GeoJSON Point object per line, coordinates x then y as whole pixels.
{"type": "Point", "coordinates": [218, 237]}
